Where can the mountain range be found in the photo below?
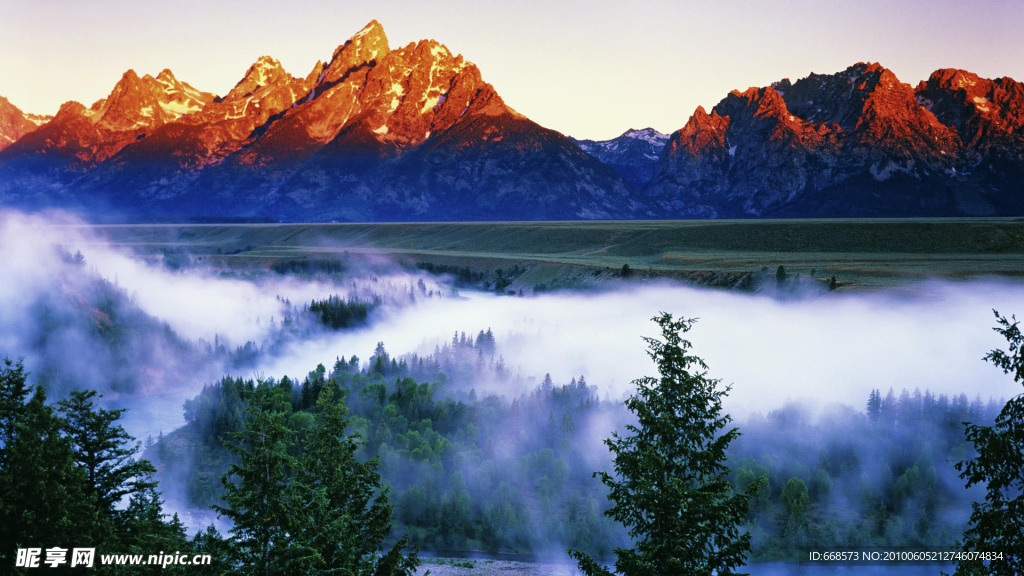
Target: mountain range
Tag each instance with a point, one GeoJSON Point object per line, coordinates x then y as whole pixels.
{"type": "Point", "coordinates": [855, 143]}
{"type": "Point", "coordinates": [414, 133]}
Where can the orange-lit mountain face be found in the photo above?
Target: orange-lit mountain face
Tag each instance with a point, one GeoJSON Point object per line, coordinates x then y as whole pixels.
{"type": "Point", "coordinates": [14, 123]}
{"type": "Point", "coordinates": [414, 133]}
{"type": "Point", "coordinates": [373, 133]}
{"type": "Point", "coordinates": [856, 143]}
{"type": "Point", "coordinates": [83, 137]}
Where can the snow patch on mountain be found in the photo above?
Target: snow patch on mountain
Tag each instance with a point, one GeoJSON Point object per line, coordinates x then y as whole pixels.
{"type": "Point", "coordinates": [633, 154]}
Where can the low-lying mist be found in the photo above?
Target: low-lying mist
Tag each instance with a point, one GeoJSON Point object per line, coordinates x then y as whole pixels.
{"type": "Point", "coordinates": [823, 349]}
{"type": "Point", "coordinates": [86, 315]}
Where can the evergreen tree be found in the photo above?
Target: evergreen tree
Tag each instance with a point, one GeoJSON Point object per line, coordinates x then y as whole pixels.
{"type": "Point", "coordinates": [259, 494]}
{"type": "Point", "coordinates": [144, 529]}
{"type": "Point", "coordinates": [14, 391]}
{"type": "Point", "coordinates": [874, 408]}
{"type": "Point", "coordinates": [306, 507]}
{"type": "Point", "coordinates": [795, 500]}
{"type": "Point", "coordinates": [780, 275]}
{"type": "Point", "coordinates": [670, 489]}
{"type": "Point", "coordinates": [42, 492]}
{"type": "Point", "coordinates": [61, 479]}
{"type": "Point", "coordinates": [210, 542]}
{"type": "Point", "coordinates": [997, 524]}
{"type": "Point", "coordinates": [104, 450]}
{"type": "Point", "coordinates": [346, 514]}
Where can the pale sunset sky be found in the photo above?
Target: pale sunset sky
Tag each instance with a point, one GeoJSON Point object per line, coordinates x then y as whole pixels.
{"type": "Point", "coordinates": [587, 69]}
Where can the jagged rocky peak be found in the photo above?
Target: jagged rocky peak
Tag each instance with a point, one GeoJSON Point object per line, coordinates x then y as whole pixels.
{"type": "Point", "coordinates": [632, 154]}
{"type": "Point", "coordinates": [71, 108]}
{"type": "Point", "coordinates": [700, 120]}
{"type": "Point", "coordinates": [144, 103]}
{"type": "Point", "coordinates": [955, 79]}
{"type": "Point", "coordinates": [132, 104]}
{"type": "Point", "coordinates": [848, 97]}
{"type": "Point", "coordinates": [987, 114]}
{"type": "Point", "coordinates": [948, 91]}
{"type": "Point", "coordinates": [702, 132]}
{"type": "Point", "coordinates": [14, 123]}
{"type": "Point", "coordinates": [760, 103]}
{"type": "Point", "coordinates": [419, 90]}
{"type": "Point", "coordinates": [865, 77]}
{"type": "Point", "coordinates": [846, 132]}
{"type": "Point", "coordinates": [315, 74]}
{"type": "Point", "coordinates": [372, 35]}
{"type": "Point", "coordinates": [180, 98]}
{"type": "Point", "coordinates": [265, 71]}
{"type": "Point", "coordinates": [437, 57]}
{"type": "Point", "coordinates": [966, 88]}
{"type": "Point", "coordinates": [416, 78]}
{"type": "Point", "coordinates": [266, 89]}
{"type": "Point", "coordinates": [368, 45]}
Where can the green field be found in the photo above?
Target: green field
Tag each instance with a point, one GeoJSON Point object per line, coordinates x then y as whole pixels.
{"type": "Point", "coordinates": [859, 253]}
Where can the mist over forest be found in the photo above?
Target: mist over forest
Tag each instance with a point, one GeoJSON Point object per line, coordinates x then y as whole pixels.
{"type": "Point", "coordinates": [488, 412]}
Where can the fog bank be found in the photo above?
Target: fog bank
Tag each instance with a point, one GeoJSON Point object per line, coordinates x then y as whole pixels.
{"type": "Point", "coordinates": [826, 348]}
{"type": "Point", "coordinates": [832, 348]}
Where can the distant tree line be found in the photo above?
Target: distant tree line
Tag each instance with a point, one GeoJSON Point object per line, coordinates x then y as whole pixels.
{"type": "Point", "coordinates": [464, 275]}
{"type": "Point", "coordinates": [336, 312]}
{"type": "Point", "coordinates": [310, 266]}
{"type": "Point", "coordinates": [846, 478]}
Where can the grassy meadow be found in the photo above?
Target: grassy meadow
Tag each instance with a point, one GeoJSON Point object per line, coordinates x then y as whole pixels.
{"type": "Point", "coordinates": [861, 254]}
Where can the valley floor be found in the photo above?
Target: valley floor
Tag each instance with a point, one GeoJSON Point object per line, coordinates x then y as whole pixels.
{"type": "Point", "coordinates": [858, 253]}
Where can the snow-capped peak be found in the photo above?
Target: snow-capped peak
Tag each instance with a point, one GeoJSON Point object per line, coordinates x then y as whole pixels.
{"type": "Point", "coordinates": [649, 135]}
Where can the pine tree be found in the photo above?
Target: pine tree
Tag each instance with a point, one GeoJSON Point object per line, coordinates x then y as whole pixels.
{"type": "Point", "coordinates": [143, 528]}
{"type": "Point", "coordinates": [104, 450]}
{"type": "Point", "coordinates": [670, 488]}
{"type": "Point", "coordinates": [307, 507]}
{"type": "Point", "coordinates": [874, 407]}
{"type": "Point", "coordinates": [62, 479]}
{"type": "Point", "coordinates": [346, 513]}
{"type": "Point", "coordinates": [259, 494]}
{"type": "Point", "coordinates": [43, 498]}
{"type": "Point", "coordinates": [211, 543]}
{"type": "Point", "coordinates": [997, 524]}
{"type": "Point", "coordinates": [14, 391]}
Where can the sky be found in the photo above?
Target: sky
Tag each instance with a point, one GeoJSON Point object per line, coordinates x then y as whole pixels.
{"type": "Point", "coordinates": [587, 69]}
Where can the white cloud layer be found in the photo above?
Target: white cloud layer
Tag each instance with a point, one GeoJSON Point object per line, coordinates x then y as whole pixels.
{"type": "Point", "coordinates": [831, 348]}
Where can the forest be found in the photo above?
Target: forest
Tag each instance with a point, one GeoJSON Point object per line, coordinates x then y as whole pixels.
{"type": "Point", "coordinates": [467, 472]}
{"type": "Point", "coordinates": [488, 472]}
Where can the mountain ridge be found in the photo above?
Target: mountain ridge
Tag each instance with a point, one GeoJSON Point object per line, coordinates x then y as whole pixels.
{"type": "Point", "coordinates": [855, 143]}
{"type": "Point", "coordinates": [362, 136]}
{"type": "Point", "coordinates": [415, 133]}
